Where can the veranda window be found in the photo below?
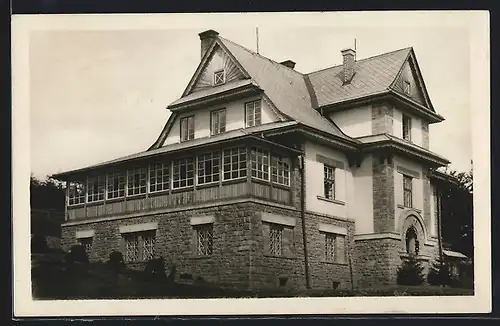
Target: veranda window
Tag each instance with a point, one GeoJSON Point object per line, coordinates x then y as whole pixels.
{"type": "Point", "coordinates": [159, 177]}
{"type": "Point", "coordinates": [183, 173]}
{"type": "Point", "coordinates": [96, 188]}
{"type": "Point", "coordinates": [280, 170]}
{"type": "Point", "coordinates": [137, 180]}
{"type": "Point", "coordinates": [76, 193]}
{"type": "Point", "coordinates": [260, 163]}
{"type": "Point", "coordinates": [235, 163]}
{"type": "Point", "coordinates": [208, 167]}
{"type": "Point", "coordinates": [116, 184]}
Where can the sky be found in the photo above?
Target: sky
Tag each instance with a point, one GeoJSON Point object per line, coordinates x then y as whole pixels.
{"type": "Point", "coordinates": [97, 93]}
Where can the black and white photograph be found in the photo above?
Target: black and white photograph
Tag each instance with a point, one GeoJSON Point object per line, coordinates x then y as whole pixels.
{"type": "Point", "coordinates": [327, 162]}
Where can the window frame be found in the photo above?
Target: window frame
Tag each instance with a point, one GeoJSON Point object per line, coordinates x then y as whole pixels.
{"type": "Point", "coordinates": [189, 135]}
{"type": "Point", "coordinates": [407, 180]}
{"type": "Point", "coordinates": [87, 243]}
{"type": "Point", "coordinates": [330, 181]}
{"type": "Point", "coordinates": [119, 174]}
{"type": "Point", "coordinates": [253, 108]}
{"type": "Point", "coordinates": [221, 128]}
{"type": "Point", "coordinates": [280, 167]}
{"type": "Point", "coordinates": [187, 179]}
{"type": "Point", "coordinates": [98, 182]}
{"type": "Point", "coordinates": [276, 233]}
{"type": "Point", "coordinates": [156, 173]}
{"type": "Point", "coordinates": [205, 246]}
{"type": "Point", "coordinates": [133, 177]}
{"type": "Point", "coordinates": [228, 160]}
{"type": "Point", "coordinates": [140, 245]}
{"type": "Point", "coordinates": [223, 79]}
{"type": "Point", "coordinates": [76, 196]}
{"type": "Point", "coordinates": [214, 177]}
{"type": "Point", "coordinates": [406, 127]}
{"type": "Point", "coordinates": [407, 87]}
{"type": "Point", "coordinates": [264, 166]}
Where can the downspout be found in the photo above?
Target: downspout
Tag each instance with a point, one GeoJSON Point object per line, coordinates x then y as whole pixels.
{"type": "Point", "coordinates": [440, 244]}
{"type": "Point", "coordinates": [303, 217]}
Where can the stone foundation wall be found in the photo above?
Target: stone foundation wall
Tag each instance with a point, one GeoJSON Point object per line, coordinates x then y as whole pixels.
{"type": "Point", "coordinates": [240, 256]}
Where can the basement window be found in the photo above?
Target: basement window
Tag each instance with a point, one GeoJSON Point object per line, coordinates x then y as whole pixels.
{"type": "Point", "coordinates": [204, 235]}
{"type": "Point", "coordinates": [86, 243]}
{"type": "Point", "coordinates": [275, 240]}
{"type": "Point", "coordinates": [334, 248]}
{"type": "Point", "coordinates": [140, 246]}
{"type": "Point", "coordinates": [219, 77]}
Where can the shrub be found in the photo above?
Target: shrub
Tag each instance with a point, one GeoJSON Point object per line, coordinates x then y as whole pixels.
{"type": "Point", "coordinates": [410, 272]}
{"type": "Point", "coordinates": [77, 254]}
{"type": "Point", "coordinates": [116, 261]}
{"type": "Point", "coordinates": [439, 274]}
{"type": "Point", "coordinates": [155, 269]}
{"type": "Point", "coordinates": [38, 244]}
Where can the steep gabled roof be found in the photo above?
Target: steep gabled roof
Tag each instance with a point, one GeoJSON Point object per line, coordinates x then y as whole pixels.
{"type": "Point", "coordinates": [285, 87]}
{"type": "Point", "coordinates": [372, 76]}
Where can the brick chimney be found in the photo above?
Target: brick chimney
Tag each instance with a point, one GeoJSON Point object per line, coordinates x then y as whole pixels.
{"type": "Point", "coordinates": [288, 63]}
{"type": "Point", "coordinates": [349, 56]}
{"type": "Point", "coordinates": [207, 37]}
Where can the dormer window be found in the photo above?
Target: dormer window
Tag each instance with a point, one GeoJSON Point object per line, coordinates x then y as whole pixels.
{"type": "Point", "coordinates": [407, 87]}
{"type": "Point", "coordinates": [219, 77]}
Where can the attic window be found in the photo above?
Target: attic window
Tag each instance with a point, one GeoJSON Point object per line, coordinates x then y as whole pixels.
{"type": "Point", "coordinates": [407, 87]}
{"type": "Point", "coordinates": [219, 77]}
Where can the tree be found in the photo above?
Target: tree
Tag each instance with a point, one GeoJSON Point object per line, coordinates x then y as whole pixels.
{"type": "Point", "coordinates": [411, 272]}
{"type": "Point", "coordinates": [457, 212]}
{"type": "Point", "coordinates": [439, 274]}
{"type": "Point", "coordinates": [46, 194]}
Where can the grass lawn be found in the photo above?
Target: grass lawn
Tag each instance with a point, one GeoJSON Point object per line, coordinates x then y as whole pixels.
{"type": "Point", "coordinates": [51, 279]}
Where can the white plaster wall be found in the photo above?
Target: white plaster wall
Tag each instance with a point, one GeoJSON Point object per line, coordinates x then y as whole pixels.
{"type": "Point", "coordinates": [314, 182]}
{"type": "Point", "coordinates": [361, 200]}
{"type": "Point", "coordinates": [355, 122]}
{"type": "Point", "coordinates": [416, 127]}
{"type": "Point", "coordinates": [235, 119]}
{"type": "Point", "coordinates": [433, 228]}
{"type": "Point", "coordinates": [417, 186]}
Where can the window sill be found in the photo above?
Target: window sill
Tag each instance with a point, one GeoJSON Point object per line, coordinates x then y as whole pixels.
{"type": "Point", "coordinates": [136, 196]}
{"type": "Point", "coordinates": [207, 185]}
{"type": "Point", "coordinates": [177, 190]}
{"type": "Point", "coordinates": [158, 193]}
{"type": "Point", "coordinates": [405, 207]}
{"type": "Point", "coordinates": [404, 254]}
{"type": "Point", "coordinates": [115, 200]}
{"type": "Point", "coordinates": [95, 203]}
{"type": "Point", "coordinates": [338, 202]}
{"type": "Point", "coordinates": [235, 180]}
{"type": "Point", "coordinates": [333, 263]}
{"type": "Point", "coordinates": [73, 206]}
{"type": "Point", "coordinates": [201, 257]}
{"type": "Point", "coordinates": [280, 257]}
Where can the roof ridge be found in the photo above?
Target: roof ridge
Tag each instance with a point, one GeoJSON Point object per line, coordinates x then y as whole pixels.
{"type": "Point", "coordinates": [364, 59]}
{"type": "Point", "coordinates": [260, 55]}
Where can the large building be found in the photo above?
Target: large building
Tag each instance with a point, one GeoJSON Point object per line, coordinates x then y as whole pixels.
{"type": "Point", "coordinates": [265, 177]}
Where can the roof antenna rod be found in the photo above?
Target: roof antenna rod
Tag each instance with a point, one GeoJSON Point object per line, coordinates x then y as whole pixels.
{"type": "Point", "coordinates": [354, 49]}
{"type": "Point", "coordinates": [257, 37]}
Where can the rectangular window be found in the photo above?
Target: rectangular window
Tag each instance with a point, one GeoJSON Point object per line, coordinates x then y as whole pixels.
{"type": "Point", "coordinates": [116, 185]}
{"type": "Point", "coordinates": [140, 246]}
{"type": "Point", "coordinates": [96, 188]}
{"type": "Point", "coordinates": [334, 248]}
{"type": "Point", "coordinates": [86, 243]}
{"type": "Point", "coordinates": [159, 177]}
{"type": "Point", "coordinates": [275, 240]}
{"type": "Point", "coordinates": [183, 173]}
{"type": "Point", "coordinates": [407, 87]}
{"type": "Point", "coordinates": [260, 163]}
{"type": "Point", "coordinates": [217, 121]}
{"type": "Point", "coordinates": [280, 170]}
{"type": "Point", "coordinates": [131, 247]}
{"type": "Point", "coordinates": [219, 77]}
{"type": "Point", "coordinates": [208, 167]}
{"type": "Point", "coordinates": [204, 239]}
{"type": "Point", "coordinates": [407, 190]}
{"type": "Point", "coordinates": [406, 128]}
{"type": "Point", "coordinates": [329, 182]}
{"type": "Point", "coordinates": [187, 128]}
{"type": "Point", "coordinates": [253, 113]}
{"type": "Point", "coordinates": [137, 181]}
{"type": "Point", "coordinates": [235, 163]}
{"type": "Point", "coordinates": [330, 247]}
{"type": "Point", "coordinates": [76, 193]}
